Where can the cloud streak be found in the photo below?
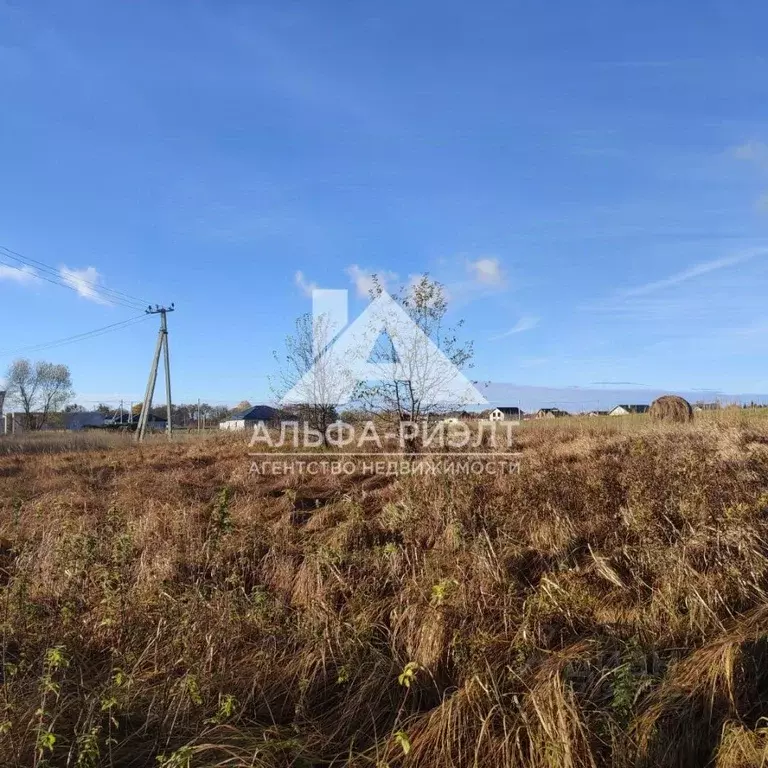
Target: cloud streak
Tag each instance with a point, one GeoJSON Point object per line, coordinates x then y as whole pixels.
{"type": "Point", "coordinates": [486, 271]}
{"type": "Point", "coordinates": [22, 275]}
{"type": "Point", "coordinates": [756, 153]}
{"type": "Point", "coordinates": [752, 151]}
{"type": "Point", "coordinates": [85, 282]}
{"type": "Point", "coordinates": [522, 325]}
{"type": "Point", "coordinates": [697, 270]}
{"type": "Point", "coordinates": [306, 286]}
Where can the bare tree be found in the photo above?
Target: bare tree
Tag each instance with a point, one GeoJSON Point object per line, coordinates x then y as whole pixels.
{"type": "Point", "coordinates": [397, 359]}
{"type": "Point", "coordinates": [40, 388]}
{"type": "Point", "coordinates": [418, 359]}
{"type": "Point", "coordinates": [310, 373]}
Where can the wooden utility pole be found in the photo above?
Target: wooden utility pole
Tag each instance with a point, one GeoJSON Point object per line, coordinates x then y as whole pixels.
{"type": "Point", "coordinates": [162, 345]}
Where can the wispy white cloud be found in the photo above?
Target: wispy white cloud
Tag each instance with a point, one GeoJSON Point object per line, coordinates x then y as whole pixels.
{"type": "Point", "coordinates": [21, 275]}
{"type": "Point", "coordinates": [756, 153]}
{"type": "Point", "coordinates": [480, 278]}
{"type": "Point", "coordinates": [617, 384]}
{"type": "Point", "coordinates": [363, 279]}
{"type": "Point", "coordinates": [523, 324]}
{"type": "Point", "coordinates": [486, 270]}
{"type": "Point", "coordinates": [85, 282]}
{"type": "Point", "coordinates": [753, 151]}
{"type": "Point", "coordinates": [703, 268]}
{"type": "Point", "coordinates": [305, 285]}
{"type": "Point", "coordinates": [534, 362]}
{"type": "Point", "coordinates": [279, 65]}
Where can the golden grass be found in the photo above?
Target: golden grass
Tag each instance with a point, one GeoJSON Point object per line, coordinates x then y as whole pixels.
{"type": "Point", "coordinates": [61, 441]}
{"type": "Point", "coordinates": [605, 606]}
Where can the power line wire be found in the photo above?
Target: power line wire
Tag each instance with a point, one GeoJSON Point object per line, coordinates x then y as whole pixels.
{"type": "Point", "coordinates": [85, 291]}
{"type": "Point", "coordinates": [77, 337]}
{"type": "Point", "coordinates": [28, 261]}
{"type": "Point", "coordinates": [55, 276]}
{"type": "Point", "coordinates": [61, 283]}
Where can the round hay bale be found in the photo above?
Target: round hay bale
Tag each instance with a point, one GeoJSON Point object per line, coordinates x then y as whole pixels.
{"type": "Point", "coordinates": [671, 408]}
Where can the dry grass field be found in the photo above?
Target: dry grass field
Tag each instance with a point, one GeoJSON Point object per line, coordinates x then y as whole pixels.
{"type": "Point", "coordinates": [607, 605]}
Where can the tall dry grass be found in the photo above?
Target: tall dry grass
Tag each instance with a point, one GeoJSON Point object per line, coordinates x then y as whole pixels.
{"type": "Point", "coordinates": [605, 606]}
{"type": "Point", "coordinates": [61, 441]}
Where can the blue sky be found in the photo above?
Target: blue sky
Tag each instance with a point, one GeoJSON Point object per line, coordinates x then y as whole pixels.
{"type": "Point", "coordinates": [589, 180]}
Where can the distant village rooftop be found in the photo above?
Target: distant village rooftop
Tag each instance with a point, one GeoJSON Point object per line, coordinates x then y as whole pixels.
{"type": "Point", "coordinates": [626, 409]}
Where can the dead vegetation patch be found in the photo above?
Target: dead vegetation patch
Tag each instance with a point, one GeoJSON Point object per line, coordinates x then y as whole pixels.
{"type": "Point", "coordinates": [605, 606]}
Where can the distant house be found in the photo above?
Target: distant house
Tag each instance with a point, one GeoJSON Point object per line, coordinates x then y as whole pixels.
{"type": "Point", "coordinates": [597, 413]}
{"type": "Point", "coordinates": [117, 419]}
{"type": "Point", "coordinates": [131, 421]}
{"type": "Point", "coordinates": [698, 407]}
{"type": "Point", "coordinates": [249, 418]}
{"type": "Point", "coordinates": [83, 420]}
{"type": "Point", "coordinates": [550, 413]}
{"type": "Point", "coordinates": [504, 412]}
{"type": "Point", "coordinates": [626, 410]}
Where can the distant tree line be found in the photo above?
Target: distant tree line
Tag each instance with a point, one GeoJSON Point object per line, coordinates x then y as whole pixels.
{"type": "Point", "coordinates": [41, 391]}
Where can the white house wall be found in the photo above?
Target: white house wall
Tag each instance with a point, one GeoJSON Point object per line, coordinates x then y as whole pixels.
{"type": "Point", "coordinates": [230, 425]}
